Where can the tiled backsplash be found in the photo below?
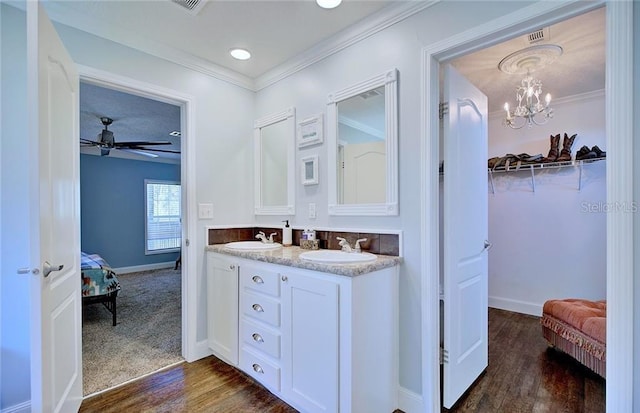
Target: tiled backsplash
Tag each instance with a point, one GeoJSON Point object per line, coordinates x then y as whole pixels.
{"type": "Point", "coordinates": [386, 244]}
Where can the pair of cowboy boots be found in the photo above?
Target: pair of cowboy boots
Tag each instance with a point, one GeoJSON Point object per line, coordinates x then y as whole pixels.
{"type": "Point", "coordinates": [557, 155]}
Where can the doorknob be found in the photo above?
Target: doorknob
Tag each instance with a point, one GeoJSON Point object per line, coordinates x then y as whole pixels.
{"type": "Point", "coordinates": [48, 268]}
{"type": "Point", "coordinates": [487, 245]}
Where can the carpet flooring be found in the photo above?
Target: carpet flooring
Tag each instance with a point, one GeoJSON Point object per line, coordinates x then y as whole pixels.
{"type": "Point", "coordinates": [147, 336]}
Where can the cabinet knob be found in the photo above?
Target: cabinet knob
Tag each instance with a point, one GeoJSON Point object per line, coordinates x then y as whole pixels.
{"type": "Point", "coordinates": [257, 368]}
{"type": "Point", "coordinates": [257, 338]}
{"type": "Point", "coordinates": [257, 279]}
{"type": "Point", "coordinates": [232, 267]}
{"type": "Point", "coordinates": [258, 308]}
{"type": "Point", "coordinates": [284, 278]}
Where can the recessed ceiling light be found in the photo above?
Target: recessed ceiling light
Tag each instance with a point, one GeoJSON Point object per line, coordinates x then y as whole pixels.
{"type": "Point", "coordinates": [328, 4]}
{"type": "Point", "coordinates": [240, 54]}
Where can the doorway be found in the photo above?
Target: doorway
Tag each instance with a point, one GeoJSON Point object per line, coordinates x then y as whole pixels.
{"type": "Point", "coordinates": [155, 270]}
{"type": "Point", "coordinates": [617, 26]}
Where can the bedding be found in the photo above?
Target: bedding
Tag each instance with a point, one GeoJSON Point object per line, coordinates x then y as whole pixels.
{"type": "Point", "coordinates": [99, 282]}
{"type": "Point", "coordinates": [578, 328]}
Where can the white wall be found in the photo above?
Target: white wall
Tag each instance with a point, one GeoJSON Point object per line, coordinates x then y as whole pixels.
{"type": "Point", "coordinates": [550, 243]}
{"type": "Point", "coordinates": [14, 298]}
{"type": "Point", "coordinates": [398, 46]}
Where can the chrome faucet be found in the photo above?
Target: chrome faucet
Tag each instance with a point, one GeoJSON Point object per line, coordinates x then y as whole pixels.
{"type": "Point", "coordinates": [357, 247]}
{"type": "Point", "coordinates": [262, 237]}
{"type": "Point", "coordinates": [270, 241]}
{"type": "Point", "coordinates": [344, 244]}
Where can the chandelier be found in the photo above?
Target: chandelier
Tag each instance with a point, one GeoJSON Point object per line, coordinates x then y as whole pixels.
{"type": "Point", "coordinates": [530, 109]}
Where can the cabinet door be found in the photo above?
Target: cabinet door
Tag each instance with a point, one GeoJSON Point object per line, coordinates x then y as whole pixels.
{"type": "Point", "coordinates": [310, 342]}
{"type": "Point", "coordinates": [222, 307]}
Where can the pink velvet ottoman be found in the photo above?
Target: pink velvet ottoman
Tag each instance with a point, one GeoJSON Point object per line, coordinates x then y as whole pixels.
{"type": "Point", "coordinates": [578, 328]}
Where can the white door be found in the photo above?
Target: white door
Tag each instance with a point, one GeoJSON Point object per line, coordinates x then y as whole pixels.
{"type": "Point", "coordinates": [364, 169]}
{"type": "Point", "coordinates": [465, 235]}
{"type": "Point", "coordinates": [56, 346]}
{"type": "Point", "coordinates": [222, 304]}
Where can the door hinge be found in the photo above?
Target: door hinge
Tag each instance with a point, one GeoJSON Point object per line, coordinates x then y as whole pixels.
{"type": "Point", "coordinates": [443, 109]}
{"type": "Point", "coordinates": [186, 242]}
{"type": "Point", "coordinates": [444, 356]}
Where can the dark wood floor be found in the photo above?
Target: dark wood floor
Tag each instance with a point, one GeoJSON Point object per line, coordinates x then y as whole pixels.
{"type": "Point", "coordinates": [526, 376]}
{"type": "Point", "coordinates": [523, 376]}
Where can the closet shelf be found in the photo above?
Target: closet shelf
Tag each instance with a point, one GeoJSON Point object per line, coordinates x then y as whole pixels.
{"type": "Point", "coordinates": [540, 166]}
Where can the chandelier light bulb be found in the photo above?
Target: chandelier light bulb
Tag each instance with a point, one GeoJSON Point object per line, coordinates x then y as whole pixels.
{"type": "Point", "coordinates": [529, 109]}
{"type": "Point", "coordinates": [547, 99]}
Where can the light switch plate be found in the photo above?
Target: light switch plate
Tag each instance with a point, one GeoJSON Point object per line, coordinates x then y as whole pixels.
{"type": "Point", "coordinates": [312, 210]}
{"type": "Point", "coordinates": [205, 211]}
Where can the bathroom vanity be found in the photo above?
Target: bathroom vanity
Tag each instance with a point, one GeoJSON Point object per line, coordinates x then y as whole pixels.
{"type": "Point", "coordinates": [322, 337]}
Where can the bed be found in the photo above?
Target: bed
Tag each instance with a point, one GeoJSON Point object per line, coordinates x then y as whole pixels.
{"type": "Point", "coordinates": [577, 327]}
{"type": "Point", "coordinates": [99, 283]}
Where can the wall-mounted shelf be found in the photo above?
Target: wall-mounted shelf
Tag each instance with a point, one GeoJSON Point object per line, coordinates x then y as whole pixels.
{"type": "Point", "coordinates": [540, 166]}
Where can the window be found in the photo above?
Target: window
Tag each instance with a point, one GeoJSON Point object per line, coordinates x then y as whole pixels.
{"type": "Point", "coordinates": [163, 226]}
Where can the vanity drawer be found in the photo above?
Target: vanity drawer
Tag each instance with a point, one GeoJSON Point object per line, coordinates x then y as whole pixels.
{"type": "Point", "coordinates": [260, 308]}
{"type": "Point", "coordinates": [260, 280]}
{"type": "Point", "coordinates": [260, 338]}
{"type": "Point", "coordinates": [260, 369]}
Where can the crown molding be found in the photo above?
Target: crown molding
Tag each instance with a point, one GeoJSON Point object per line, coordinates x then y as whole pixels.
{"type": "Point", "coordinates": [69, 17]}
{"type": "Point", "coordinates": [371, 25]}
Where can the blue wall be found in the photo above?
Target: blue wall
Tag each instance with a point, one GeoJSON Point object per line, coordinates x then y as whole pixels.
{"type": "Point", "coordinates": [112, 208]}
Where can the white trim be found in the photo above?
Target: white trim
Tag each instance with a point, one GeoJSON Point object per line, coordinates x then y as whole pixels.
{"type": "Point", "coordinates": [287, 115]}
{"type": "Point", "coordinates": [145, 267]}
{"type": "Point", "coordinates": [409, 402]}
{"type": "Point", "coordinates": [373, 24]}
{"type": "Point", "coordinates": [187, 177]}
{"type": "Point", "coordinates": [24, 407]}
{"type": "Point", "coordinates": [517, 306]}
{"type": "Point", "coordinates": [619, 125]}
{"type": "Point", "coordinates": [388, 79]}
{"type": "Point", "coordinates": [620, 237]}
{"type": "Point", "coordinates": [61, 14]}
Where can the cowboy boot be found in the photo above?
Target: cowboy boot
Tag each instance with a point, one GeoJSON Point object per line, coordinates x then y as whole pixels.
{"type": "Point", "coordinates": [565, 154]}
{"type": "Point", "coordinates": [553, 151]}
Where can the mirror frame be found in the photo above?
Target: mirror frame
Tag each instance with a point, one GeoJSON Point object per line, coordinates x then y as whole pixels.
{"type": "Point", "coordinates": [387, 79]}
{"type": "Point", "coordinates": [288, 209]}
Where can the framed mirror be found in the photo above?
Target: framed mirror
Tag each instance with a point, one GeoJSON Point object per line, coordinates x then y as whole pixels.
{"type": "Point", "coordinates": [362, 139]}
{"type": "Point", "coordinates": [274, 145]}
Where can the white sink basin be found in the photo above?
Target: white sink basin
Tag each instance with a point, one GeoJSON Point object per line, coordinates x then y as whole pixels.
{"type": "Point", "coordinates": [337, 257]}
{"type": "Point", "coordinates": [252, 246]}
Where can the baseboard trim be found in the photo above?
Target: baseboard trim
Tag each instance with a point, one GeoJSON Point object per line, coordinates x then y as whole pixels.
{"type": "Point", "coordinates": [24, 407]}
{"type": "Point", "coordinates": [516, 306]}
{"type": "Point", "coordinates": [146, 267]}
{"type": "Point", "coordinates": [409, 402]}
{"type": "Point", "coordinates": [199, 351]}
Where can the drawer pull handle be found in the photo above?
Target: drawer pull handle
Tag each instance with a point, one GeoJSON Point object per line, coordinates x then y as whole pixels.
{"type": "Point", "coordinates": [257, 368]}
{"type": "Point", "coordinates": [258, 308]}
{"type": "Point", "coordinates": [284, 278]}
{"type": "Point", "coordinates": [257, 338]}
{"type": "Point", "coordinates": [232, 267]}
{"type": "Point", "coordinates": [257, 279]}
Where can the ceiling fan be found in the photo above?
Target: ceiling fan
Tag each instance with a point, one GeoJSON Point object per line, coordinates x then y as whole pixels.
{"type": "Point", "coordinates": [106, 142]}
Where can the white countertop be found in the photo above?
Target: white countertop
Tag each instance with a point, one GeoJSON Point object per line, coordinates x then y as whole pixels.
{"type": "Point", "coordinates": [290, 256]}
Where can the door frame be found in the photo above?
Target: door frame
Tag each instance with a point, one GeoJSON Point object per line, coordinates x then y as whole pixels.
{"type": "Point", "coordinates": [619, 124]}
{"type": "Point", "coordinates": [187, 176]}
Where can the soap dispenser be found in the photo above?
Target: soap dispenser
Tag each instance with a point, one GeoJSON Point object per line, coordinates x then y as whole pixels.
{"type": "Point", "coordinates": [286, 234]}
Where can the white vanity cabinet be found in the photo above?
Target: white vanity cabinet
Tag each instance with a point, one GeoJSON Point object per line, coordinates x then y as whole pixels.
{"type": "Point", "coordinates": [321, 342]}
{"type": "Point", "coordinates": [222, 307]}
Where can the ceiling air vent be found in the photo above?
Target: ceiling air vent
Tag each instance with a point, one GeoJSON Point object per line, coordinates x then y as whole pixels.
{"type": "Point", "coordinates": [192, 6]}
{"type": "Point", "coordinates": [538, 36]}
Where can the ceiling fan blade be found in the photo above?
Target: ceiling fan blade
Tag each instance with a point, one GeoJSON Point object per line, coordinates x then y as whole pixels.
{"type": "Point", "coordinates": [140, 143]}
{"type": "Point", "coordinates": [139, 152]}
{"type": "Point", "coordinates": [88, 142]}
{"type": "Point", "coordinates": [155, 150]}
